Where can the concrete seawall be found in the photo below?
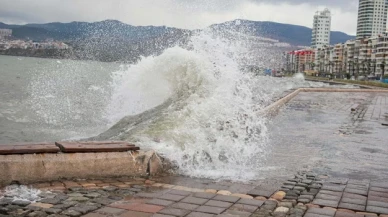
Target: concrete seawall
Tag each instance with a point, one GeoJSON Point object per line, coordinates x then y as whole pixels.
{"type": "Point", "coordinates": [29, 168]}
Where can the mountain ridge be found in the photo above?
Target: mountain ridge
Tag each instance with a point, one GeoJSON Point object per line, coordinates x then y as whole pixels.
{"type": "Point", "coordinates": [293, 34]}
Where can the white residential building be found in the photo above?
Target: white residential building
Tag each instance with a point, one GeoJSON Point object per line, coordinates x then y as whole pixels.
{"type": "Point", "coordinates": [372, 18]}
{"type": "Point", "coordinates": [5, 33]}
{"type": "Point", "coordinates": [321, 29]}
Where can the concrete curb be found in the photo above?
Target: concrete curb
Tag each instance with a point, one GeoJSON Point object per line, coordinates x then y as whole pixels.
{"type": "Point", "coordinates": [30, 168]}
{"type": "Point", "coordinates": [272, 109]}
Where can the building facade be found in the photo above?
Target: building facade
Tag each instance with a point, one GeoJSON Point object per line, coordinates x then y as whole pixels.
{"type": "Point", "coordinates": [321, 29]}
{"type": "Point", "coordinates": [5, 33]}
{"type": "Point", "coordinates": [372, 18]}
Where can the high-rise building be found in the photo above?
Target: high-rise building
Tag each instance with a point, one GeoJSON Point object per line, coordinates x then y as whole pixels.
{"type": "Point", "coordinates": [321, 29]}
{"type": "Point", "coordinates": [372, 18]}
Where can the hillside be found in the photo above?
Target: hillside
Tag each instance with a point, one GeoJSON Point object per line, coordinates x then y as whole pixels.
{"type": "Point", "coordinates": [111, 40]}
{"type": "Point", "coordinates": [292, 34]}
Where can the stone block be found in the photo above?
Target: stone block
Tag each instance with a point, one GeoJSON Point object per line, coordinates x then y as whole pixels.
{"type": "Point", "coordinates": [283, 210]}
{"type": "Point", "coordinates": [171, 197]}
{"type": "Point", "coordinates": [217, 203]}
{"type": "Point", "coordinates": [353, 201]}
{"type": "Point", "coordinates": [357, 191]}
{"type": "Point", "coordinates": [174, 211]}
{"type": "Point", "coordinates": [110, 210]}
{"type": "Point", "coordinates": [242, 196]}
{"type": "Point", "coordinates": [136, 214]}
{"type": "Point", "coordinates": [160, 202]}
{"type": "Point", "coordinates": [235, 213]}
{"type": "Point", "coordinates": [346, 214]}
{"type": "Point", "coordinates": [230, 199]}
{"type": "Point", "coordinates": [244, 208]}
{"type": "Point", "coordinates": [194, 200]}
{"type": "Point", "coordinates": [326, 212]}
{"type": "Point", "coordinates": [279, 195]}
{"type": "Point", "coordinates": [186, 206]}
{"type": "Point", "coordinates": [223, 192]}
{"type": "Point", "coordinates": [210, 209]}
{"type": "Point", "coordinates": [329, 203]}
{"type": "Point", "coordinates": [205, 195]}
{"type": "Point", "coordinates": [355, 207]}
{"type": "Point", "coordinates": [200, 214]}
{"type": "Point", "coordinates": [250, 202]}
{"type": "Point", "coordinates": [339, 188]}
{"type": "Point", "coordinates": [257, 192]}
{"type": "Point", "coordinates": [375, 209]}
{"type": "Point", "coordinates": [327, 197]}
{"type": "Point", "coordinates": [179, 192]}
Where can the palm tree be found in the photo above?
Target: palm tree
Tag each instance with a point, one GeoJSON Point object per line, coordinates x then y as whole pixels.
{"type": "Point", "coordinates": [351, 64]}
{"type": "Point", "coordinates": [331, 63]}
{"type": "Point", "coordinates": [382, 66]}
{"type": "Point", "coordinates": [374, 66]}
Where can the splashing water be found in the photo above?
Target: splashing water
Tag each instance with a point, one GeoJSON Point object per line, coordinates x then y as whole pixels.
{"type": "Point", "coordinates": [299, 76]}
{"type": "Point", "coordinates": [21, 193]}
{"type": "Point", "coordinates": [207, 117]}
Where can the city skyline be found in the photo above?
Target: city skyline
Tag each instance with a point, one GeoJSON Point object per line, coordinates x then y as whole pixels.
{"type": "Point", "coordinates": [182, 14]}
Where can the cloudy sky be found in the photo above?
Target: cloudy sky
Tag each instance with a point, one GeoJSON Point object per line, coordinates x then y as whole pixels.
{"type": "Point", "coordinates": [189, 14]}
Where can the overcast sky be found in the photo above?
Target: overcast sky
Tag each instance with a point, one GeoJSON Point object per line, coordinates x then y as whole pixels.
{"type": "Point", "coordinates": [189, 14]}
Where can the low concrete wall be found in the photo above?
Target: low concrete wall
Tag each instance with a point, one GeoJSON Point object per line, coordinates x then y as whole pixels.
{"type": "Point", "coordinates": [32, 168]}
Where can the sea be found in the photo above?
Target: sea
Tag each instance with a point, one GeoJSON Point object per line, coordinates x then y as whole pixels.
{"type": "Point", "coordinates": [194, 105]}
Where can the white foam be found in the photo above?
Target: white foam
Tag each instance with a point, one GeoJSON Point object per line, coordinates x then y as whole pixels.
{"type": "Point", "coordinates": [21, 192]}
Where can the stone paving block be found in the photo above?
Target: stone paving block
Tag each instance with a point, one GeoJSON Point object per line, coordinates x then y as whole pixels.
{"type": "Point", "coordinates": [186, 206]}
{"type": "Point", "coordinates": [346, 214]}
{"type": "Point", "coordinates": [354, 196]}
{"type": "Point", "coordinates": [329, 203]}
{"type": "Point", "coordinates": [358, 182]}
{"type": "Point", "coordinates": [377, 189]}
{"type": "Point", "coordinates": [174, 211]}
{"type": "Point", "coordinates": [148, 195]}
{"type": "Point", "coordinates": [353, 201]}
{"type": "Point", "coordinates": [357, 191]}
{"type": "Point", "coordinates": [171, 197]}
{"type": "Point", "coordinates": [200, 214]}
{"type": "Point", "coordinates": [342, 181]}
{"type": "Point", "coordinates": [334, 193]}
{"type": "Point", "coordinates": [135, 214]}
{"type": "Point", "coordinates": [217, 203]}
{"type": "Point", "coordinates": [160, 202]}
{"type": "Point", "coordinates": [377, 203]}
{"type": "Point", "coordinates": [161, 215]}
{"type": "Point", "coordinates": [264, 193]}
{"type": "Point", "coordinates": [110, 210]}
{"type": "Point", "coordinates": [326, 212]}
{"type": "Point", "coordinates": [194, 200]}
{"type": "Point", "coordinates": [367, 214]}
{"type": "Point", "coordinates": [374, 198]}
{"type": "Point", "coordinates": [375, 209]}
{"type": "Point", "coordinates": [338, 188]}
{"type": "Point", "coordinates": [179, 192]}
{"type": "Point", "coordinates": [210, 209]}
{"type": "Point", "coordinates": [225, 198]}
{"type": "Point", "coordinates": [327, 197]}
{"type": "Point", "coordinates": [204, 195]}
{"type": "Point", "coordinates": [250, 202]}
{"type": "Point", "coordinates": [234, 213]}
{"type": "Point", "coordinates": [140, 207]}
{"type": "Point", "coordinates": [355, 207]}
{"type": "Point", "coordinates": [92, 214]}
{"type": "Point", "coordinates": [244, 208]}
{"type": "Point", "coordinates": [362, 187]}
{"type": "Point", "coordinates": [379, 184]}
{"type": "Point", "coordinates": [378, 194]}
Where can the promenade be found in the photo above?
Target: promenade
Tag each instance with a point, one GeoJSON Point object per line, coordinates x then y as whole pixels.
{"type": "Point", "coordinates": [326, 157]}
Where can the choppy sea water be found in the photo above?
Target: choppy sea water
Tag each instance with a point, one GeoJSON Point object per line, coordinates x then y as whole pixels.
{"type": "Point", "coordinates": [193, 105]}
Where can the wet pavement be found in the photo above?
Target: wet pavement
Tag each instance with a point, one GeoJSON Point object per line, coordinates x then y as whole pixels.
{"type": "Point", "coordinates": [339, 134]}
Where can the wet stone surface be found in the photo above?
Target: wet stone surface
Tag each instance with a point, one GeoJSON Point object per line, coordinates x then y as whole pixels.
{"type": "Point", "coordinates": [307, 194]}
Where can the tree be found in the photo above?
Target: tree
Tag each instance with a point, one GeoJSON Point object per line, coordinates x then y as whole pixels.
{"type": "Point", "coordinates": [382, 66]}
{"type": "Point", "coordinates": [351, 64]}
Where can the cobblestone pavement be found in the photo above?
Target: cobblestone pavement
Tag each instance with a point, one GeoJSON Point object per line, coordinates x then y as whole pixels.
{"type": "Point", "coordinates": [305, 194]}
{"type": "Point", "coordinates": [339, 134]}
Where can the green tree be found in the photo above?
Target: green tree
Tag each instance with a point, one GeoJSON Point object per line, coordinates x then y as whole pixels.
{"type": "Point", "coordinates": [382, 66]}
